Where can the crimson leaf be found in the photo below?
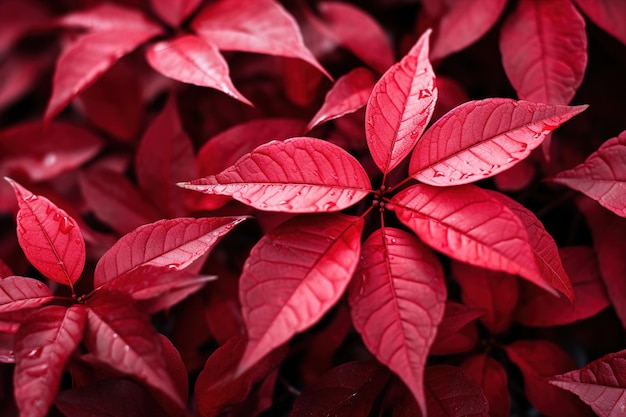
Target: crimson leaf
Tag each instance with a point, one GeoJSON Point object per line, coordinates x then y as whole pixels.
{"type": "Point", "coordinates": [17, 293]}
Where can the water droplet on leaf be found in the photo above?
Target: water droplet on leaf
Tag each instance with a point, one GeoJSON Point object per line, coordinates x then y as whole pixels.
{"type": "Point", "coordinates": [438, 174]}
{"type": "Point", "coordinates": [35, 353]}
{"type": "Point", "coordinates": [65, 225]}
{"type": "Point", "coordinates": [329, 206]}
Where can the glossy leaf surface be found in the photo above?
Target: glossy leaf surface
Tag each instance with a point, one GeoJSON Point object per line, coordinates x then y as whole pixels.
{"type": "Point", "coordinates": [17, 293]}
{"type": "Point", "coordinates": [479, 139]}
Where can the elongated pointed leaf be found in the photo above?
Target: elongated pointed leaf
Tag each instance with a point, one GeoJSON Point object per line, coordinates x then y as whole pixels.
{"type": "Point", "coordinates": [600, 384]}
{"type": "Point", "coordinates": [470, 225]}
{"type": "Point", "coordinates": [479, 139]}
{"type": "Point", "coordinates": [397, 302]}
{"type": "Point", "coordinates": [608, 14]}
{"type": "Point", "coordinates": [452, 393]}
{"type": "Point", "coordinates": [17, 293]}
{"type": "Point", "coordinates": [49, 237]}
{"type": "Point", "coordinates": [544, 50]}
{"type": "Point", "coordinates": [261, 26]}
{"type": "Point", "coordinates": [173, 244]}
{"type": "Point", "coordinates": [348, 94]}
{"type": "Point", "coordinates": [44, 343]}
{"type": "Point", "coordinates": [293, 276]}
{"type": "Point", "coordinates": [173, 12]}
{"type": "Point", "coordinates": [492, 377]}
{"type": "Point", "coordinates": [400, 107]}
{"type": "Point", "coordinates": [602, 176]}
{"type": "Point", "coordinates": [298, 175]}
{"type": "Point", "coordinates": [193, 60]}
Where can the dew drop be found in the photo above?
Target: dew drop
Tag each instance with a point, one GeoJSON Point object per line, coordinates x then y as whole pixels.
{"type": "Point", "coordinates": [522, 147]}
{"type": "Point", "coordinates": [438, 174]}
{"type": "Point", "coordinates": [423, 93]}
{"type": "Point", "coordinates": [49, 160]}
{"type": "Point", "coordinates": [173, 266]}
{"type": "Point", "coordinates": [31, 197]}
{"type": "Point", "coordinates": [537, 135]}
{"type": "Point", "coordinates": [393, 240]}
{"type": "Point", "coordinates": [509, 160]}
{"type": "Point", "coordinates": [332, 193]}
{"type": "Point", "coordinates": [56, 216]}
{"type": "Point", "coordinates": [263, 205]}
{"type": "Point", "coordinates": [35, 353]}
{"type": "Point", "coordinates": [65, 225]}
{"type": "Point", "coordinates": [329, 206]}
{"type": "Point", "coordinates": [282, 202]}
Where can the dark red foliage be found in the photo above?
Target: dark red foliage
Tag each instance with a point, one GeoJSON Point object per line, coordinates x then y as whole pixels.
{"type": "Point", "coordinates": [289, 208]}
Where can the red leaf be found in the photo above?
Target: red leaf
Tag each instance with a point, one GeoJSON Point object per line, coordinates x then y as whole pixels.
{"type": "Point", "coordinates": [348, 390]}
{"type": "Point", "coordinates": [491, 376]}
{"type": "Point", "coordinates": [397, 302]}
{"type": "Point", "coordinates": [538, 360]}
{"type": "Point", "coordinates": [49, 237]}
{"type": "Point", "coordinates": [599, 384]}
{"type": "Point", "coordinates": [517, 177]}
{"type": "Point", "coordinates": [293, 276]}
{"type": "Point", "coordinates": [45, 151]}
{"type": "Point", "coordinates": [17, 293]}
{"type": "Point", "coordinates": [261, 26]}
{"type": "Point", "coordinates": [348, 94]}
{"type": "Point", "coordinates": [173, 12]}
{"type": "Point", "coordinates": [495, 292]}
{"type": "Point", "coordinates": [538, 308]}
{"type": "Point", "coordinates": [193, 60]}
{"type": "Point", "coordinates": [298, 175]}
{"type": "Point", "coordinates": [451, 393]}
{"type": "Point", "coordinates": [5, 270]}
{"type": "Point", "coordinates": [544, 50]}
{"type": "Point", "coordinates": [602, 176]}
{"type": "Point", "coordinates": [19, 75]}
{"type": "Point", "coordinates": [17, 18]}
{"type": "Point", "coordinates": [109, 17]}
{"type": "Point", "coordinates": [609, 15]}
{"type": "Point", "coordinates": [121, 336]}
{"type": "Point", "coordinates": [463, 23]}
{"type": "Point", "coordinates": [400, 107]}
{"type": "Point", "coordinates": [165, 155]}
{"type": "Point", "coordinates": [479, 139]}
{"type": "Point", "coordinates": [43, 344]}
{"type": "Point", "coordinates": [172, 244]}
{"type": "Point", "coordinates": [471, 225]}
{"type": "Point", "coordinates": [359, 33]}
{"type": "Point", "coordinates": [457, 331]}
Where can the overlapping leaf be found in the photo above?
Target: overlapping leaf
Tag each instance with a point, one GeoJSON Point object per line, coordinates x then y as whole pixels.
{"type": "Point", "coordinates": [492, 377]}
{"type": "Point", "coordinates": [173, 12]}
{"type": "Point", "coordinates": [400, 107]}
{"type": "Point", "coordinates": [293, 276]}
{"type": "Point", "coordinates": [397, 302]}
{"type": "Point", "coordinates": [298, 175]}
{"type": "Point", "coordinates": [17, 293]}
{"type": "Point", "coordinates": [451, 393]}
{"type": "Point", "coordinates": [479, 139]}
{"type": "Point", "coordinates": [609, 15]}
{"type": "Point", "coordinates": [457, 331]}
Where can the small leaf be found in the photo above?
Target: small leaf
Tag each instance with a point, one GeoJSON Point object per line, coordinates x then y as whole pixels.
{"type": "Point", "coordinates": [261, 26]}
{"type": "Point", "coordinates": [173, 12]}
{"type": "Point", "coordinates": [400, 107]}
{"type": "Point", "coordinates": [173, 244]}
{"type": "Point", "coordinates": [17, 293]}
{"type": "Point", "coordinates": [397, 301]}
{"type": "Point", "coordinates": [293, 276]}
{"type": "Point", "coordinates": [43, 345]}
{"type": "Point", "coordinates": [492, 377]}
{"type": "Point", "coordinates": [193, 60]}
{"type": "Point", "coordinates": [602, 176]}
{"type": "Point", "coordinates": [298, 175]}
{"type": "Point", "coordinates": [49, 237]}
{"type": "Point", "coordinates": [479, 139]}
{"type": "Point", "coordinates": [452, 393]}
{"type": "Point", "coordinates": [347, 95]}
{"type": "Point", "coordinates": [600, 384]}
{"type": "Point", "coordinates": [609, 15]}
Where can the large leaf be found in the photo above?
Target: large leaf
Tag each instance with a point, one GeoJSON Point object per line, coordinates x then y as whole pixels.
{"type": "Point", "coordinates": [17, 293]}
{"type": "Point", "coordinates": [293, 276]}
{"type": "Point", "coordinates": [400, 107]}
{"type": "Point", "coordinates": [397, 301]}
{"type": "Point", "coordinates": [49, 237]}
{"type": "Point", "coordinates": [173, 244]}
{"type": "Point", "coordinates": [452, 393]}
{"type": "Point", "coordinates": [479, 139]}
{"type": "Point", "coordinates": [193, 60]}
{"type": "Point", "coordinates": [122, 337]}
{"type": "Point", "coordinates": [492, 377]}
{"type": "Point", "coordinates": [298, 175]}
{"type": "Point", "coordinates": [602, 176]}
{"type": "Point", "coordinates": [601, 384]}
{"type": "Point", "coordinates": [43, 344]}
{"type": "Point", "coordinates": [471, 225]}
{"type": "Point", "coordinates": [608, 14]}
{"type": "Point", "coordinates": [261, 26]}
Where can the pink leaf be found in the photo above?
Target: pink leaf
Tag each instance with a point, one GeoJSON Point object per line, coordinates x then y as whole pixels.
{"type": "Point", "coordinates": [452, 393]}
{"type": "Point", "coordinates": [479, 139]}
{"type": "Point", "coordinates": [298, 175]}
{"type": "Point", "coordinates": [599, 384]}
{"type": "Point", "coordinates": [49, 237]}
{"type": "Point", "coordinates": [193, 60]}
{"type": "Point", "coordinates": [538, 308]}
{"type": "Point", "coordinates": [165, 155]}
{"type": "Point", "coordinates": [19, 75]}
{"type": "Point", "coordinates": [43, 345]}
{"type": "Point", "coordinates": [471, 225]}
{"type": "Point", "coordinates": [602, 176]}
{"type": "Point", "coordinates": [173, 12]}
{"type": "Point", "coordinates": [173, 244]}
{"type": "Point", "coordinates": [359, 33]}
{"type": "Point", "coordinates": [492, 378]}
{"type": "Point", "coordinates": [17, 18]}
{"type": "Point", "coordinates": [608, 14]}
{"type": "Point", "coordinates": [544, 50]}
{"type": "Point", "coordinates": [45, 151]}
{"type": "Point", "coordinates": [110, 17]}
{"type": "Point", "coordinates": [293, 276]}
{"type": "Point", "coordinates": [348, 94]}
{"type": "Point", "coordinates": [121, 336]}
{"type": "Point", "coordinates": [261, 26]}
{"type": "Point", "coordinates": [17, 293]}
{"type": "Point", "coordinates": [400, 107]}
{"type": "Point", "coordinates": [397, 302]}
